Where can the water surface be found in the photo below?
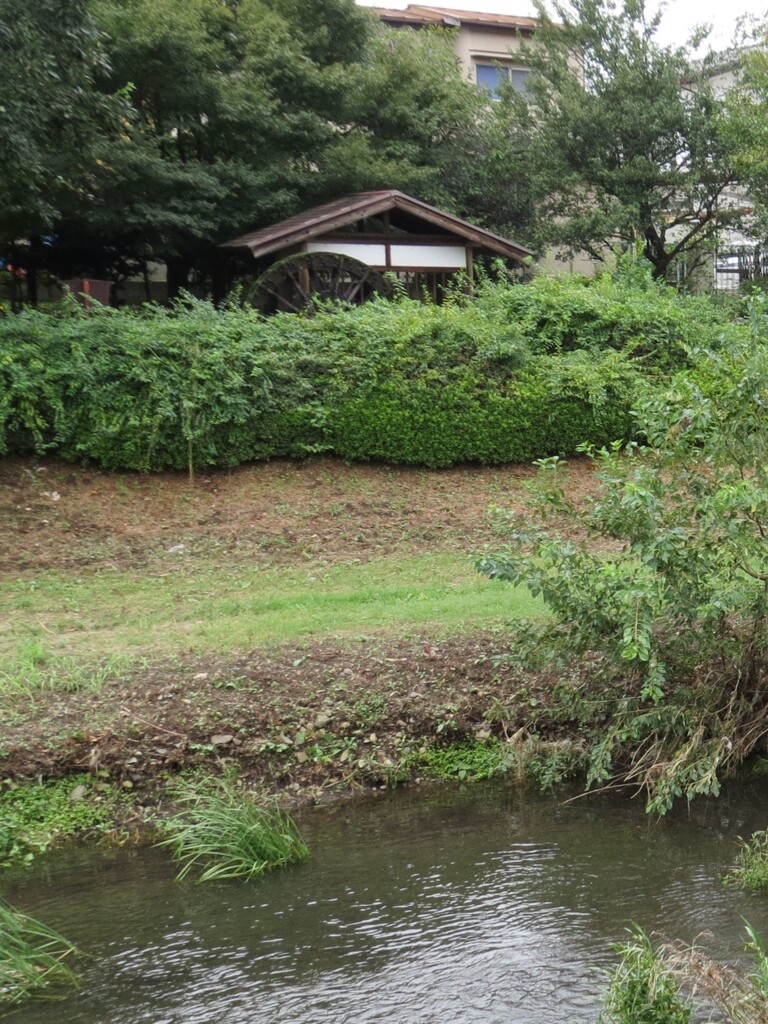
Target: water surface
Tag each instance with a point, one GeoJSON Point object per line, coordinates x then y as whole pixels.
{"type": "Point", "coordinates": [481, 905]}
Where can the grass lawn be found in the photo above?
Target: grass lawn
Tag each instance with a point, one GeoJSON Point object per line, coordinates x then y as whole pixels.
{"type": "Point", "coordinates": [57, 624]}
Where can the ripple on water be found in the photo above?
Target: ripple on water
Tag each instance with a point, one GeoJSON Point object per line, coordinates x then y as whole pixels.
{"type": "Point", "coordinates": [473, 907]}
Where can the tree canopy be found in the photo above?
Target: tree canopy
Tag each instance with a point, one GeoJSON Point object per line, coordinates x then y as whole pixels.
{"type": "Point", "coordinates": [746, 130]}
{"type": "Point", "coordinates": [227, 114]}
{"type": "Point", "coordinates": [51, 115]}
{"type": "Point", "coordinates": [140, 131]}
{"type": "Point", "coordinates": [621, 137]}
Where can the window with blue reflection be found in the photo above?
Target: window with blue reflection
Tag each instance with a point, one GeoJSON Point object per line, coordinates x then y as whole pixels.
{"type": "Point", "coordinates": [492, 76]}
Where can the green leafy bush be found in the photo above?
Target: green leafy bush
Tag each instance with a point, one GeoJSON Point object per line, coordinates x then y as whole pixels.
{"type": "Point", "coordinates": [515, 374]}
{"type": "Point", "coordinates": [627, 311]}
{"type": "Point", "coordinates": [672, 628]}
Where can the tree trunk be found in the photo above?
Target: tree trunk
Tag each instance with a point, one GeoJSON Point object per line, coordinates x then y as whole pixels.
{"type": "Point", "coordinates": [32, 261]}
{"type": "Point", "coordinates": [219, 282]}
{"type": "Point", "coordinates": [178, 270]}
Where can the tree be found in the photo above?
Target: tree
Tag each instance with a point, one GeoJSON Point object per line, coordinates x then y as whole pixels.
{"type": "Point", "coordinates": [409, 116]}
{"type": "Point", "coordinates": [621, 136]}
{"type": "Point", "coordinates": [244, 112]}
{"type": "Point", "coordinates": [490, 174]}
{"type": "Point", "coordinates": [746, 130]}
{"type": "Point", "coordinates": [51, 115]}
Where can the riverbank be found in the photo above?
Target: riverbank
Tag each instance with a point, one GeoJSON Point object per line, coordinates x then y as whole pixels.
{"type": "Point", "coordinates": [316, 625]}
{"type": "Point", "coordinates": [309, 717]}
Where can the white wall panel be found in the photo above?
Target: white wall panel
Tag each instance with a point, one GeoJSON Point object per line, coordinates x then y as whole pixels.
{"type": "Point", "coordinates": [449, 256]}
{"type": "Point", "coordinates": [372, 254]}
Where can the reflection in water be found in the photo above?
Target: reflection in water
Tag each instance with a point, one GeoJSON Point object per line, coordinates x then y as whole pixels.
{"type": "Point", "coordinates": [473, 906]}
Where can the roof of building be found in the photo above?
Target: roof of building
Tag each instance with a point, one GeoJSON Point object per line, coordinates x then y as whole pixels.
{"type": "Point", "coordinates": [416, 14]}
{"type": "Point", "coordinates": [350, 209]}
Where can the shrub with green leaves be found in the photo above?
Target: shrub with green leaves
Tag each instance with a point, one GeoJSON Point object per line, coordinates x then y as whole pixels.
{"type": "Point", "coordinates": [671, 626]}
{"type": "Point", "coordinates": [627, 311]}
{"type": "Point", "coordinates": [517, 373]}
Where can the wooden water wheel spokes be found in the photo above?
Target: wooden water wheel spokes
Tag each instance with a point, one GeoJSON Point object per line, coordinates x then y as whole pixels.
{"type": "Point", "coordinates": [303, 281]}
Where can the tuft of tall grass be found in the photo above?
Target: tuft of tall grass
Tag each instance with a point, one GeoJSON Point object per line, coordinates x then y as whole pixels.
{"type": "Point", "coordinates": [642, 988]}
{"type": "Point", "coordinates": [750, 871]}
{"type": "Point", "coordinates": [32, 958]}
{"type": "Point", "coordinates": [227, 834]}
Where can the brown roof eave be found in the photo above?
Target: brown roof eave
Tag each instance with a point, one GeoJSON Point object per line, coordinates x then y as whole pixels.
{"type": "Point", "coordinates": [473, 233]}
{"type": "Point", "coordinates": [424, 15]}
{"type": "Point", "coordinates": [349, 209]}
{"type": "Point", "coordinates": [311, 227]}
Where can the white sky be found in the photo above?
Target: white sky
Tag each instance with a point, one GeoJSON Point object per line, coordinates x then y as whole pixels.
{"type": "Point", "coordinates": [680, 17]}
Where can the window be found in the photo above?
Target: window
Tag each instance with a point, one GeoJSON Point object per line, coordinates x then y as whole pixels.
{"type": "Point", "coordinates": [492, 76]}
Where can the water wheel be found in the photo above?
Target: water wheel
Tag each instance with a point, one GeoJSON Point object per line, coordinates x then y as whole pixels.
{"type": "Point", "coordinates": [300, 282]}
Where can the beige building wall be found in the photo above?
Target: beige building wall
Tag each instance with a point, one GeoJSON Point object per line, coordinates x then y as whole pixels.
{"type": "Point", "coordinates": [476, 45]}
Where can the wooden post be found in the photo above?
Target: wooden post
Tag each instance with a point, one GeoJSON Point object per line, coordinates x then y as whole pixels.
{"type": "Point", "coordinates": [304, 282]}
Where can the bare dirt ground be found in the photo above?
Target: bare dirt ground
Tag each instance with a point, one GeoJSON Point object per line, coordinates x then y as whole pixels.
{"type": "Point", "coordinates": [56, 516]}
{"type": "Point", "coordinates": [312, 716]}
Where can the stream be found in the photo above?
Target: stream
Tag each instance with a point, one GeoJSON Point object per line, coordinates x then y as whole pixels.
{"type": "Point", "coordinates": [472, 905]}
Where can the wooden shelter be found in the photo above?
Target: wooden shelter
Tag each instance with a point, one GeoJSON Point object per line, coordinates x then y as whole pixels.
{"type": "Point", "coordinates": [358, 246]}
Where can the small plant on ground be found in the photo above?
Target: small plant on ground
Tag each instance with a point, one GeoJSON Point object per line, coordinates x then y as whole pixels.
{"type": "Point", "coordinates": [546, 763]}
{"type": "Point", "coordinates": [35, 816]}
{"type": "Point", "coordinates": [223, 832]}
{"type": "Point", "coordinates": [750, 871]}
{"type": "Point", "coordinates": [32, 958]}
{"type": "Point", "coordinates": [642, 988]}
{"type": "Point", "coordinates": [468, 761]}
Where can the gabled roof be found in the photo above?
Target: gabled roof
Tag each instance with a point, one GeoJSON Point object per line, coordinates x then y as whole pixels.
{"type": "Point", "coordinates": [417, 14]}
{"type": "Point", "coordinates": [342, 212]}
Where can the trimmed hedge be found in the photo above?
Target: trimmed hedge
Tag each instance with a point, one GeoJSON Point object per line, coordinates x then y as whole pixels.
{"type": "Point", "coordinates": [478, 381]}
{"type": "Point", "coordinates": [527, 418]}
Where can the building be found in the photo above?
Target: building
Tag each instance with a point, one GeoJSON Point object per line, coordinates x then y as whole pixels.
{"type": "Point", "coordinates": [360, 245]}
{"type": "Point", "coordinates": [485, 44]}
{"type": "Point", "coordinates": [739, 256]}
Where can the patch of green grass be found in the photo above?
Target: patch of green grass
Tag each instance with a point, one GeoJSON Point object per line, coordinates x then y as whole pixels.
{"type": "Point", "coordinates": [75, 624]}
{"type": "Point", "coordinates": [750, 872]}
{"type": "Point", "coordinates": [471, 761]}
{"type": "Point", "coordinates": [36, 816]}
{"type": "Point", "coordinates": [224, 833]}
{"type": "Point", "coordinates": [38, 668]}
{"type": "Point", "coordinates": [32, 958]}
